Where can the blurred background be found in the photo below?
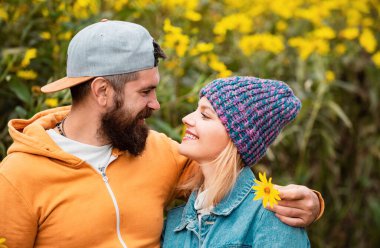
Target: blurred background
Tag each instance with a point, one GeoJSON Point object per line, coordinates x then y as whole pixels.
{"type": "Point", "coordinates": [328, 51]}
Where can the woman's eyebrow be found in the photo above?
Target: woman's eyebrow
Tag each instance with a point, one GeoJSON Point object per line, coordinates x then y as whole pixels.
{"type": "Point", "coordinates": [205, 107]}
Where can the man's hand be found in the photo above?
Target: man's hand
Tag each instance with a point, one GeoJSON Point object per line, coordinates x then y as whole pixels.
{"type": "Point", "coordinates": [299, 205]}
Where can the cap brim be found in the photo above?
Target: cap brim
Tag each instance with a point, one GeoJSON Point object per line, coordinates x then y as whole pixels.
{"type": "Point", "coordinates": [64, 83]}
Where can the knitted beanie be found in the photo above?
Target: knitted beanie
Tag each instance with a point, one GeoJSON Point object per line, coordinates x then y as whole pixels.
{"type": "Point", "coordinates": [253, 111]}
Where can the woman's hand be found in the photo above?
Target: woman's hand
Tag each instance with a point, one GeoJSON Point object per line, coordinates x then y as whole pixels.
{"type": "Point", "coordinates": [299, 205]}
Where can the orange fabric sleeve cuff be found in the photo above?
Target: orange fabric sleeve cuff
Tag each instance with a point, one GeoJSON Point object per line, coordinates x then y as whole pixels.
{"type": "Point", "coordinates": [321, 205]}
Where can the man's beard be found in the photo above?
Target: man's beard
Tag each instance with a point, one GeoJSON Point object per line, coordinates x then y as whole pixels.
{"type": "Point", "coordinates": [124, 131]}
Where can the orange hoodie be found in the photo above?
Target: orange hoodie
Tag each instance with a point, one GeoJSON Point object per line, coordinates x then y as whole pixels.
{"type": "Point", "coordinates": [49, 198]}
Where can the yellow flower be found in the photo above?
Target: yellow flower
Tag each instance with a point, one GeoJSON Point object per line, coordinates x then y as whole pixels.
{"type": "Point", "coordinates": [65, 36]}
{"type": "Point", "coordinates": [3, 14]}
{"type": "Point", "coordinates": [239, 22]}
{"type": "Point", "coordinates": [202, 47]}
{"type": "Point", "coordinates": [83, 9]}
{"type": "Point", "coordinates": [340, 49]}
{"type": "Point", "coordinates": [376, 59]}
{"type": "Point", "coordinates": [175, 39]}
{"type": "Point", "coordinates": [45, 35]}
{"type": "Point", "coordinates": [281, 26]}
{"type": "Point", "coordinates": [193, 16]}
{"type": "Point", "coordinates": [261, 42]}
{"type": "Point", "coordinates": [349, 33]}
{"type": "Point", "coordinates": [330, 76]}
{"type": "Point", "coordinates": [30, 54]}
{"type": "Point", "coordinates": [368, 41]}
{"type": "Point", "coordinates": [27, 74]}
{"type": "Point", "coordinates": [324, 33]}
{"type": "Point", "coordinates": [265, 190]}
{"type": "Point", "coordinates": [51, 102]}
{"type": "Point", "coordinates": [2, 243]}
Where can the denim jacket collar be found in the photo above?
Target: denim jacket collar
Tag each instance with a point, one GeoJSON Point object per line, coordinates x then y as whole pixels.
{"type": "Point", "coordinates": [231, 201]}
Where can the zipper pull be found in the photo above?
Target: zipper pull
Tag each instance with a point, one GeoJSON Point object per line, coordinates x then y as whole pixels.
{"type": "Point", "coordinates": [104, 176]}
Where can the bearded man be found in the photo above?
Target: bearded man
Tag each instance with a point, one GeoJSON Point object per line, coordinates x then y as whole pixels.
{"type": "Point", "coordinates": [93, 174]}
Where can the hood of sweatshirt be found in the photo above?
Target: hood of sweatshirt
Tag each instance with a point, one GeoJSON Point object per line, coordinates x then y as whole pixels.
{"type": "Point", "coordinates": [30, 136]}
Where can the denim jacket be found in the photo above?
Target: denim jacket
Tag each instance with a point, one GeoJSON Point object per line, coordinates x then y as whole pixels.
{"type": "Point", "coordinates": [237, 221]}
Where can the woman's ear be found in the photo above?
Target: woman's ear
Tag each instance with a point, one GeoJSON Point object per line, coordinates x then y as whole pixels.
{"type": "Point", "coordinates": [101, 91]}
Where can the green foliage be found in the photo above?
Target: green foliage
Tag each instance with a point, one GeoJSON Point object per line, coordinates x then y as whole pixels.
{"type": "Point", "coordinates": [325, 50]}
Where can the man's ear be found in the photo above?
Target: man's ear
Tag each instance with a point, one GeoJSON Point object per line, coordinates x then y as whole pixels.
{"type": "Point", "coordinates": [101, 91]}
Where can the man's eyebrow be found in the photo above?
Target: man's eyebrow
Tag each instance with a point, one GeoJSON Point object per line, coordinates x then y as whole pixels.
{"type": "Point", "coordinates": [149, 88]}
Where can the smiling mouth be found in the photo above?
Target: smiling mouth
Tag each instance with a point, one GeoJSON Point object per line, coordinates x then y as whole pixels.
{"type": "Point", "coordinates": [189, 136]}
{"type": "Point", "coordinates": [141, 121]}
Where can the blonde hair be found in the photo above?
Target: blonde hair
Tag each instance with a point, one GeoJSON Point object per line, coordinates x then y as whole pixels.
{"type": "Point", "coordinates": [227, 167]}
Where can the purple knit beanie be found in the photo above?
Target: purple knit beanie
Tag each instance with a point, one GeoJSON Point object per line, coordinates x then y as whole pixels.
{"type": "Point", "coordinates": [253, 110]}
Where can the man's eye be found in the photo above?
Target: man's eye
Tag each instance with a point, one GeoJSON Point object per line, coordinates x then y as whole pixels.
{"type": "Point", "coordinates": [146, 92]}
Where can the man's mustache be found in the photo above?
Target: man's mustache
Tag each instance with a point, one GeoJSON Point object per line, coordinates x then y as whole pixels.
{"type": "Point", "coordinates": [145, 113]}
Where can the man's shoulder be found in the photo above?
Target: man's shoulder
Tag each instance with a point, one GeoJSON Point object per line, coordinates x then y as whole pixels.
{"type": "Point", "coordinates": [159, 137]}
{"type": "Point", "coordinates": [161, 142]}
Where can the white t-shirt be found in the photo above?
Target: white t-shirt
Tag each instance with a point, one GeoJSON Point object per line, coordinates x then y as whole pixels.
{"type": "Point", "coordinates": [200, 206]}
{"type": "Point", "coordinates": [97, 156]}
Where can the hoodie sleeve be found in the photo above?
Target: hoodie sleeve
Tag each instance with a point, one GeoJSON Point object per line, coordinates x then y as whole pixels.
{"type": "Point", "coordinates": [17, 224]}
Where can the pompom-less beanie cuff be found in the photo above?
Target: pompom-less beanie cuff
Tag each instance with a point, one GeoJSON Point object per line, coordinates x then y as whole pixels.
{"type": "Point", "coordinates": [253, 111]}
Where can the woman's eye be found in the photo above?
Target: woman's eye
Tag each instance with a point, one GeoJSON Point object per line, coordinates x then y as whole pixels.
{"type": "Point", "coordinates": [204, 116]}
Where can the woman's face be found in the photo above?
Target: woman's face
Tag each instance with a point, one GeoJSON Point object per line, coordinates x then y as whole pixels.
{"type": "Point", "coordinates": [206, 136]}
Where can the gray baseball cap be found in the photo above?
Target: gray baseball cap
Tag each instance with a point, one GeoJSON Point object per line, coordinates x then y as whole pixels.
{"type": "Point", "coordinates": [105, 48]}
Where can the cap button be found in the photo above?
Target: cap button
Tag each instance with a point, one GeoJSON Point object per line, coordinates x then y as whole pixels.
{"type": "Point", "coordinates": [104, 20]}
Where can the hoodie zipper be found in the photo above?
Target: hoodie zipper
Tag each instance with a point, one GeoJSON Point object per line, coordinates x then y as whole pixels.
{"type": "Point", "coordinates": [105, 179]}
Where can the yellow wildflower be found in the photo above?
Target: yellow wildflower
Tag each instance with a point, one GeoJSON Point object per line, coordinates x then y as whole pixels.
{"type": "Point", "coordinates": [63, 18]}
{"type": "Point", "coordinates": [321, 46]}
{"type": "Point", "coordinates": [45, 12]}
{"type": "Point", "coordinates": [281, 26]}
{"type": "Point", "coordinates": [175, 39]}
{"type": "Point", "coordinates": [367, 22]}
{"type": "Point", "coordinates": [376, 59]}
{"type": "Point", "coordinates": [264, 190]}
{"type": "Point", "coordinates": [82, 9]}
{"type": "Point", "coordinates": [367, 40]}
{"type": "Point", "coordinates": [349, 33]}
{"type": "Point", "coordinates": [45, 35]}
{"type": "Point", "coordinates": [266, 42]}
{"type": "Point", "coordinates": [340, 49]}
{"type": "Point", "coordinates": [61, 6]}
{"type": "Point", "coordinates": [3, 14]}
{"type": "Point", "coordinates": [51, 102]}
{"type": "Point", "coordinates": [239, 22]}
{"type": "Point", "coordinates": [224, 74]}
{"type": "Point", "coordinates": [330, 76]}
{"type": "Point", "coordinates": [119, 4]}
{"type": "Point", "coordinates": [193, 16]}
{"type": "Point", "coordinates": [30, 54]}
{"type": "Point", "coordinates": [354, 17]}
{"type": "Point", "coordinates": [324, 33]}
{"type": "Point", "coordinates": [202, 47]}
{"type": "Point", "coordinates": [65, 36]}
{"type": "Point", "coordinates": [27, 74]}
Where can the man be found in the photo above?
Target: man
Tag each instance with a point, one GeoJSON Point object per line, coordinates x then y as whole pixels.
{"type": "Point", "coordinates": [93, 175]}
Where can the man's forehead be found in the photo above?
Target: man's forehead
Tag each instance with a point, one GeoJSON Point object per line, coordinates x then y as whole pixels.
{"type": "Point", "coordinates": [145, 79]}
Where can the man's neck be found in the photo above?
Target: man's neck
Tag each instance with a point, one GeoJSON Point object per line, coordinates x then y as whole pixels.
{"type": "Point", "coordinates": [82, 125]}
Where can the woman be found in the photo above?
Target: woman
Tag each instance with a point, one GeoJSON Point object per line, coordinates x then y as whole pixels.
{"type": "Point", "coordinates": [236, 120]}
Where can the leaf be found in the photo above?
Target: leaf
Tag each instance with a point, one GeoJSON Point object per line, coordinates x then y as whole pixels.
{"type": "Point", "coordinates": [21, 91]}
{"type": "Point", "coordinates": [339, 111]}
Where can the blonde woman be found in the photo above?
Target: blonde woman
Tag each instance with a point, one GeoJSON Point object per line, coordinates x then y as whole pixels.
{"type": "Point", "coordinates": [236, 120]}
